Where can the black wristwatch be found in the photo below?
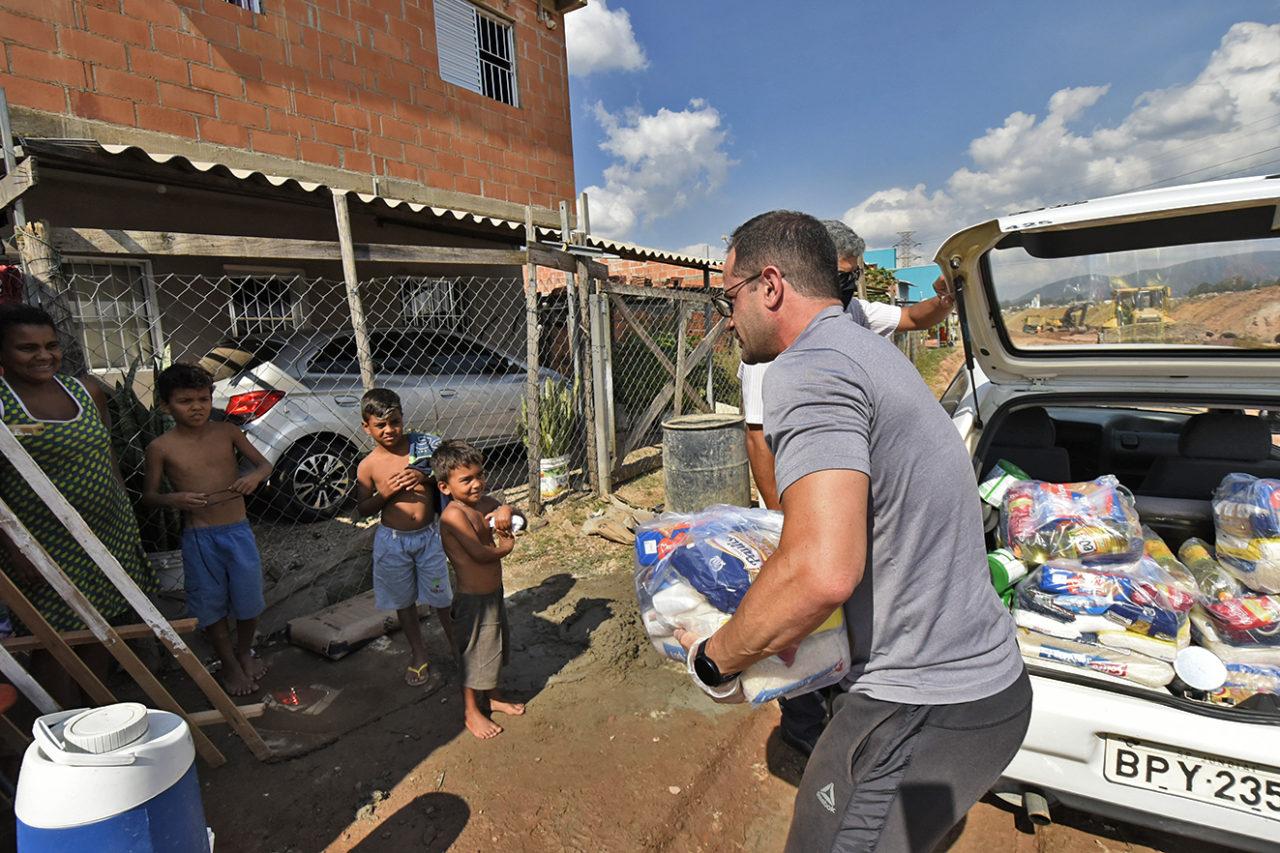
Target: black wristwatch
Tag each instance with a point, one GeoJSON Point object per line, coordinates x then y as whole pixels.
{"type": "Point", "coordinates": [707, 671]}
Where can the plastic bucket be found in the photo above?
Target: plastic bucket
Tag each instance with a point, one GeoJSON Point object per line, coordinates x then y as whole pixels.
{"type": "Point", "coordinates": [113, 779]}
{"type": "Point", "coordinates": [704, 459]}
{"type": "Point", "coordinates": [554, 481]}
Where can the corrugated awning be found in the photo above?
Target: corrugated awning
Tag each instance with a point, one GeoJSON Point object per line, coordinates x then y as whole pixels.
{"type": "Point", "coordinates": [88, 150]}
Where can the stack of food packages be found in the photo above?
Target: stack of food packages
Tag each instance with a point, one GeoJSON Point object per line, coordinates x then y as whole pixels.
{"type": "Point", "coordinates": [692, 572]}
{"type": "Point", "coordinates": [1106, 594]}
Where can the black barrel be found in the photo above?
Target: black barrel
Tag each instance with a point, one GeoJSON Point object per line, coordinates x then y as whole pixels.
{"type": "Point", "coordinates": [704, 460]}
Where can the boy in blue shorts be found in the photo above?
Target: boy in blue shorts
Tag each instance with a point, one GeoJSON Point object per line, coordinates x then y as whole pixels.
{"type": "Point", "coordinates": [220, 562]}
{"type": "Point", "coordinates": [409, 566]}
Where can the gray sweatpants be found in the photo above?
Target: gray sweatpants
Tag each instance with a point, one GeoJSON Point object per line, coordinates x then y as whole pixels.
{"type": "Point", "coordinates": [890, 777]}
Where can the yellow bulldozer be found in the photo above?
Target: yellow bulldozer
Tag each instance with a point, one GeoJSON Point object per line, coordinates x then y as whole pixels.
{"type": "Point", "coordinates": [1072, 320]}
{"type": "Point", "coordinates": [1140, 314]}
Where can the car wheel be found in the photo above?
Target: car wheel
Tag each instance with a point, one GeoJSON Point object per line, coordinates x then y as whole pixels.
{"type": "Point", "coordinates": [314, 479]}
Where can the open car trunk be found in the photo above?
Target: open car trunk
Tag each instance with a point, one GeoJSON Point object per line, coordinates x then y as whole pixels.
{"type": "Point", "coordinates": [1170, 453]}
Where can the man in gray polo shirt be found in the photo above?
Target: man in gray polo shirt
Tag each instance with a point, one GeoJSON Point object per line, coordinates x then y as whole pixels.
{"type": "Point", "coordinates": [882, 519]}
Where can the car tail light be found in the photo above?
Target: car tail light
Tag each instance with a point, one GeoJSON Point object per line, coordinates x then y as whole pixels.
{"type": "Point", "coordinates": [254, 404]}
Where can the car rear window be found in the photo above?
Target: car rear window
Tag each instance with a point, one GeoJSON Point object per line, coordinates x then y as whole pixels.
{"type": "Point", "coordinates": [1221, 294]}
{"type": "Point", "coordinates": [232, 356]}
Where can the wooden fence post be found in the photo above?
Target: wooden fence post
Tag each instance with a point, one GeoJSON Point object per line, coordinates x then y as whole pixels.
{"type": "Point", "coordinates": [364, 352]}
{"type": "Point", "coordinates": [604, 461]}
{"type": "Point", "coordinates": [706, 330]}
{"type": "Point", "coordinates": [682, 315]}
{"type": "Point", "coordinates": [591, 411]}
{"type": "Point", "coordinates": [533, 390]}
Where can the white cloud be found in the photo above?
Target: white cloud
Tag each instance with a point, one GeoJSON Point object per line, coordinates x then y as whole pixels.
{"type": "Point", "coordinates": [662, 162]}
{"type": "Point", "coordinates": [1202, 130]}
{"type": "Point", "coordinates": [713, 250]}
{"type": "Point", "coordinates": [600, 39]}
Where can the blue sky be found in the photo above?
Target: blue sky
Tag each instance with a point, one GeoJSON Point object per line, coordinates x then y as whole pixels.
{"type": "Point", "coordinates": [927, 115]}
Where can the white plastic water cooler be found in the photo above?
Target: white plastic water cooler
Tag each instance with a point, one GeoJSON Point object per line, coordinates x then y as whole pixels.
{"type": "Point", "coordinates": [117, 779]}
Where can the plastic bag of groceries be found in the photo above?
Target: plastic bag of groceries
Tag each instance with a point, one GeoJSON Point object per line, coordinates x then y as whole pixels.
{"type": "Point", "coordinates": [1245, 680]}
{"type": "Point", "coordinates": [1157, 549]}
{"type": "Point", "coordinates": [1136, 607]}
{"type": "Point", "coordinates": [1093, 522]}
{"type": "Point", "coordinates": [1246, 514]}
{"type": "Point", "coordinates": [692, 572]}
{"type": "Point", "coordinates": [1088, 655]}
{"type": "Point", "coordinates": [1237, 617]}
{"type": "Point", "coordinates": [1207, 632]}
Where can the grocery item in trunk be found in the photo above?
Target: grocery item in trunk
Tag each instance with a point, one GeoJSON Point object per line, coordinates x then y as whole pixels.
{"type": "Point", "coordinates": [1004, 474]}
{"type": "Point", "coordinates": [1214, 583]}
{"type": "Point", "coordinates": [1156, 549]}
{"type": "Point", "coordinates": [1118, 663]}
{"type": "Point", "coordinates": [1207, 632]}
{"type": "Point", "coordinates": [692, 572]}
{"type": "Point", "coordinates": [1093, 522]}
{"type": "Point", "coordinates": [1246, 515]}
{"type": "Point", "coordinates": [1245, 680]}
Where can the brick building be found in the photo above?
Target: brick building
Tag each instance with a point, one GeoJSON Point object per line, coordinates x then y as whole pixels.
{"type": "Point", "coordinates": [443, 102]}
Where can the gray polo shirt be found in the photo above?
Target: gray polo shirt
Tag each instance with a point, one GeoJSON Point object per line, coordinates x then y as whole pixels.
{"type": "Point", "coordinates": [925, 623]}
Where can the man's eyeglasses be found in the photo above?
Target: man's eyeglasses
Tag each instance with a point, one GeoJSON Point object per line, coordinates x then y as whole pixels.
{"type": "Point", "coordinates": [724, 302]}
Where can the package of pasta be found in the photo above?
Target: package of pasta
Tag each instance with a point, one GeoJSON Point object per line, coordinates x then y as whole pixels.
{"type": "Point", "coordinates": [1093, 522]}
{"type": "Point", "coordinates": [1092, 657]}
{"type": "Point", "coordinates": [692, 572]}
{"type": "Point", "coordinates": [1246, 515]}
{"type": "Point", "coordinates": [1137, 607]}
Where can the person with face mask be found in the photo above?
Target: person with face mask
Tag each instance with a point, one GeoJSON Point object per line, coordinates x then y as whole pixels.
{"type": "Point", "coordinates": [804, 717]}
{"type": "Point", "coordinates": [881, 521]}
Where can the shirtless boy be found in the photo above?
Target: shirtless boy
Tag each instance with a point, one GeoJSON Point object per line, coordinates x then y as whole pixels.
{"type": "Point", "coordinates": [477, 533]}
{"type": "Point", "coordinates": [220, 560]}
{"type": "Point", "coordinates": [409, 566]}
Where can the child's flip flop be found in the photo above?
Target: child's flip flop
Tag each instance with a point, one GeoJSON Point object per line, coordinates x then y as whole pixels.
{"type": "Point", "coordinates": [416, 676]}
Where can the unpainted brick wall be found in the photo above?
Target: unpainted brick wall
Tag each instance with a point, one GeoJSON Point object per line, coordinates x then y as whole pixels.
{"type": "Point", "coordinates": [353, 84]}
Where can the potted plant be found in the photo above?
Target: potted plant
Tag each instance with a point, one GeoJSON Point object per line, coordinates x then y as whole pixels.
{"type": "Point", "coordinates": [558, 420]}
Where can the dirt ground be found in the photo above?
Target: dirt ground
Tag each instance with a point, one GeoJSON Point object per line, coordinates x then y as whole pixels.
{"type": "Point", "coordinates": [618, 752]}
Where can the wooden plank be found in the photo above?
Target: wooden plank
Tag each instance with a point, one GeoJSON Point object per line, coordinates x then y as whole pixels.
{"type": "Point", "coordinates": [660, 402]}
{"type": "Point", "coordinates": [92, 241]}
{"type": "Point", "coordinates": [682, 318]}
{"type": "Point", "coordinates": [682, 294]}
{"type": "Point", "coordinates": [364, 350]}
{"type": "Point", "coordinates": [22, 178]}
{"type": "Point", "coordinates": [83, 638]}
{"type": "Point", "coordinates": [110, 566]}
{"type": "Point", "coordinates": [579, 319]}
{"type": "Point", "coordinates": [27, 685]}
{"type": "Point", "coordinates": [16, 739]}
{"type": "Point", "coordinates": [216, 718]}
{"type": "Point", "coordinates": [648, 341]}
{"type": "Point", "coordinates": [44, 634]}
{"type": "Point", "coordinates": [72, 595]}
{"type": "Point", "coordinates": [533, 377]}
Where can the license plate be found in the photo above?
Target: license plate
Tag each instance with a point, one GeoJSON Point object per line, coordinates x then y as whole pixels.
{"type": "Point", "coordinates": [1242, 787]}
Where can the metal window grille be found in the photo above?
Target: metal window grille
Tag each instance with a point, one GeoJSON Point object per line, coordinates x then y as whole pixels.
{"type": "Point", "coordinates": [430, 301]}
{"type": "Point", "coordinates": [115, 307]}
{"type": "Point", "coordinates": [250, 5]}
{"type": "Point", "coordinates": [477, 51]}
{"type": "Point", "coordinates": [262, 304]}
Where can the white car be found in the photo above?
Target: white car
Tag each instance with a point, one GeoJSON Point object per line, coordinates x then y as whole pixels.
{"type": "Point", "coordinates": [1137, 335]}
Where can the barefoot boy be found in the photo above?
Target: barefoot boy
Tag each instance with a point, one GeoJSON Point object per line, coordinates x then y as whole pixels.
{"type": "Point", "coordinates": [219, 554]}
{"type": "Point", "coordinates": [476, 551]}
{"type": "Point", "coordinates": [409, 566]}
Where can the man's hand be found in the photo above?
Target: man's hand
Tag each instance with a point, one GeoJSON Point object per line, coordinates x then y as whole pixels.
{"type": "Point", "coordinates": [689, 641]}
{"type": "Point", "coordinates": [188, 500]}
{"type": "Point", "coordinates": [943, 289]}
{"type": "Point", "coordinates": [500, 520]}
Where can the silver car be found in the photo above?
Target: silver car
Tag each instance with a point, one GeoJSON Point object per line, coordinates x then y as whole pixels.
{"type": "Point", "coordinates": [297, 397]}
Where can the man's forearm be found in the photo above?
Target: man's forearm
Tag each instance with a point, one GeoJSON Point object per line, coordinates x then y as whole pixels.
{"type": "Point", "coordinates": [761, 459]}
{"type": "Point", "coordinates": [925, 314]}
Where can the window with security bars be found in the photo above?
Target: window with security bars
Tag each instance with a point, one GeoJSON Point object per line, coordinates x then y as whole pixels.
{"type": "Point", "coordinates": [262, 303]}
{"type": "Point", "coordinates": [431, 302]}
{"type": "Point", "coordinates": [251, 5]}
{"type": "Point", "coordinates": [114, 306]}
{"type": "Point", "coordinates": [477, 51]}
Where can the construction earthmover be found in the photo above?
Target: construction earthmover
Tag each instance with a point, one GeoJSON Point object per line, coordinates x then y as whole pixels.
{"type": "Point", "coordinates": [1140, 313]}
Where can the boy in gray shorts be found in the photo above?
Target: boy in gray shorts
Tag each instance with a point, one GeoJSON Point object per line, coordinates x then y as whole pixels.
{"type": "Point", "coordinates": [409, 566]}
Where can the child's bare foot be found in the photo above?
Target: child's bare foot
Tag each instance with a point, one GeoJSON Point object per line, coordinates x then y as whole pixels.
{"type": "Point", "coordinates": [253, 666]}
{"type": "Point", "coordinates": [514, 709]}
{"type": "Point", "coordinates": [236, 682]}
{"type": "Point", "coordinates": [481, 726]}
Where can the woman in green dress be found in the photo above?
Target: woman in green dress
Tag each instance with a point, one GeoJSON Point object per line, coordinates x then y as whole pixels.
{"type": "Point", "coordinates": [64, 426]}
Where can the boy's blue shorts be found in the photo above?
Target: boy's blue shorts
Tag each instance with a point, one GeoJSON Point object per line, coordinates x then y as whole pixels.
{"type": "Point", "coordinates": [409, 567]}
{"type": "Point", "coordinates": [223, 573]}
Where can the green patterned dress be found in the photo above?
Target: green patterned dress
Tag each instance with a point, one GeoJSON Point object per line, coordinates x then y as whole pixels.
{"type": "Point", "coordinates": [76, 454]}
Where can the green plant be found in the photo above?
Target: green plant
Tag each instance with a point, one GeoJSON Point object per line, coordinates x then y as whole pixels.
{"type": "Point", "coordinates": [557, 418]}
{"type": "Point", "coordinates": [134, 425]}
